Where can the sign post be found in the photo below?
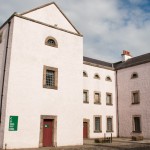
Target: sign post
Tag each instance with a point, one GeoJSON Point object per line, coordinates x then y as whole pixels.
{"type": "Point", "coordinates": [13, 123]}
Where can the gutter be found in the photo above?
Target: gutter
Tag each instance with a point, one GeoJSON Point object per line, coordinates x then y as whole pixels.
{"type": "Point", "coordinates": [4, 71]}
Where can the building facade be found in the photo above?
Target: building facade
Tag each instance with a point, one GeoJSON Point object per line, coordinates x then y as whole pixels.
{"type": "Point", "coordinates": [53, 96]}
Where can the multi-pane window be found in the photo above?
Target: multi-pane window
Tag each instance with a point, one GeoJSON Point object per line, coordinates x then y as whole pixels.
{"type": "Point", "coordinates": [50, 77]}
{"type": "Point", "coordinates": [97, 124]}
{"type": "Point", "coordinates": [136, 124]}
{"type": "Point", "coordinates": [96, 98]}
{"type": "Point", "coordinates": [135, 97]}
{"type": "Point", "coordinates": [108, 98]}
{"type": "Point", "coordinates": [1, 34]}
{"type": "Point", "coordinates": [85, 96]}
{"type": "Point", "coordinates": [109, 124]}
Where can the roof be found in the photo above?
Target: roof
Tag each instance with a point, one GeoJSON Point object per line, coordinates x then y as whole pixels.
{"type": "Point", "coordinates": [142, 59]}
{"type": "Point", "coordinates": [97, 63]}
{"type": "Point", "coordinates": [133, 61]}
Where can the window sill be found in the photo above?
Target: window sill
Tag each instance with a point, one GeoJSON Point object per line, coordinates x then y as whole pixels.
{"type": "Point", "coordinates": [136, 131]}
{"type": "Point", "coordinates": [135, 103]}
{"type": "Point", "coordinates": [110, 131]}
{"type": "Point", "coordinates": [98, 131]}
{"type": "Point", "coordinates": [109, 104]}
{"type": "Point", "coordinates": [97, 103]}
{"type": "Point", "coordinates": [86, 102]}
{"type": "Point", "coordinates": [50, 87]}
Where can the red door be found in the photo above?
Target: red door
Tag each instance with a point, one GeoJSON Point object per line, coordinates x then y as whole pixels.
{"type": "Point", "coordinates": [85, 130]}
{"type": "Point", "coordinates": [48, 127]}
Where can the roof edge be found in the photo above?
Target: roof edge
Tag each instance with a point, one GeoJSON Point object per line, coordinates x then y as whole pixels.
{"type": "Point", "coordinates": [8, 20]}
{"type": "Point", "coordinates": [29, 19]}
{"type": "Point", "coordinates": [45, 5]}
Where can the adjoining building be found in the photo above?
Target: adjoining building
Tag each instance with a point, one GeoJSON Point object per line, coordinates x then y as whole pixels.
{"type": "Point", "coordinates": [53, 96]}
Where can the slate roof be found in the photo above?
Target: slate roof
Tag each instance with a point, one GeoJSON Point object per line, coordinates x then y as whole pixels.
{"type": "Point", "coordinates": [120, 65]}
{"type": "Point", "coordinates": [98, 62]}
{"type": "Point", "coordinates": [133, 61]}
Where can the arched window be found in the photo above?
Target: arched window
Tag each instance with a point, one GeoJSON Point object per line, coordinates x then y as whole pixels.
{"type": "Point", "coordinates": [85, 74]}
{"type": "Point", "coordinates": [108, 78]}
{"type": "Point", "coordinates": [50, 41]}
{"type": "Point", "coordinates": [96, 76]}
{"type": "Point", "coordinates": [134, 75]}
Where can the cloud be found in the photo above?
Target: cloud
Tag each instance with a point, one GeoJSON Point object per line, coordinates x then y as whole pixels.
{"type": "Point", "coordinates": [108, 26]}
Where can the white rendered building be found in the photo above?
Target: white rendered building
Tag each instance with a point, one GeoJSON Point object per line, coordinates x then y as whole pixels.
{"type": "Point", "coordinates": [53, 96]}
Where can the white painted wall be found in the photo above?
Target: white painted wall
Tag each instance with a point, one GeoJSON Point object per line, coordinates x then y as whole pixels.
{"type": "Point", "coordinates": [91, 109]}
{"type": "Point", "coordinates": [52, 16]}
{"type": "Point", "coordinates": [126, 110]}
{"type": "Point", "coordinates": [26, 96]}
{"type": "Point", "coordinates": [2, 57]}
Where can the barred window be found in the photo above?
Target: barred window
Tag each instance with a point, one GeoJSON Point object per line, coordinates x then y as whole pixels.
{"type": "Point", "coordinates": [109, 124]}
{"type": "Point", "coordinates": [50, 77]}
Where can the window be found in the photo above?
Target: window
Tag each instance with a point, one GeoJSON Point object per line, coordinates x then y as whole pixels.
{"type": "Point", "coordinates": [135, 97]}
{"type": "Point", "coordinates": [96, 97]}
{"type": "Point", "coordinates": [50, 77]}
{"type": "Point", "coordinates": [85, 96]}
{"type": "Point", "coordinates": [108, 98]}
{"type": "Point", "coordinates": [1, 35]}
{"type": "Point", "coordinates": [50, 41]}
{"type": "Point", "coordinates": [109, 124]}
{"type": "Point", "coordinates": [108, 78]}
{"type": "Point", "coordinates": [136, 124]}
{"type": "Point", "coordinates": [97, 124]}
{"type": "Point", "coordinates": [134, 75]}
{"type": "Point", "coordinates": [96, 76]}
{"type": "Point", "coordinates": [85, 74]}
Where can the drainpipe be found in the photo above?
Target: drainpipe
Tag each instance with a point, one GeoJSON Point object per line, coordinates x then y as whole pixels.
{"type": "Point", "coordinates": [117, 105]}
{"type": "Point", "coordinates": [4, 71]}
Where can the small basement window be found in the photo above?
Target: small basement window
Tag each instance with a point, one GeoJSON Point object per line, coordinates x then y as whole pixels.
{"type": "Point", "coordinates": [50, 41]}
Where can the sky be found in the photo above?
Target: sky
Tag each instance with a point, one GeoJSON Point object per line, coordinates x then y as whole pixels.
{"type": "Point", "coordinates": [108, 26]}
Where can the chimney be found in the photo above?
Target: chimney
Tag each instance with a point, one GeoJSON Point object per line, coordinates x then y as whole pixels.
{"type": "Point", "coordinates": [126, 55]}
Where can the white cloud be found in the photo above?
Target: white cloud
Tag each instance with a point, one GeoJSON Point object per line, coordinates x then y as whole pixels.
{"type": "Point", "coordinates": [108, 26]}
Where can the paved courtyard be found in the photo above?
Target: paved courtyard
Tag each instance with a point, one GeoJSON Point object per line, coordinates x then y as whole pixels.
{"type": "Point", "coordinates": [117, 144]}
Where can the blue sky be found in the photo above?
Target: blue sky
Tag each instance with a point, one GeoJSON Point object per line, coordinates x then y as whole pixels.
{"type": "Point", "coordinates": [108, 26]}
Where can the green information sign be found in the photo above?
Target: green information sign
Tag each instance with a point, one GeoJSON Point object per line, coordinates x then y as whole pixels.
{"type": "Point", "coordinates": [13, 123]}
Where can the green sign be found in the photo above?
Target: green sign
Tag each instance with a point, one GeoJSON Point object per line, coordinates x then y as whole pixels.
{"type": "Point", "coordinates": [13, 123]}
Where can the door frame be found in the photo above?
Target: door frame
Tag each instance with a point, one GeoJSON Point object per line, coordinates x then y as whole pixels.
{"type": "Point", "coordinates": [54, 129]}
{"type": "Point", "coordinates": [88, 127]}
